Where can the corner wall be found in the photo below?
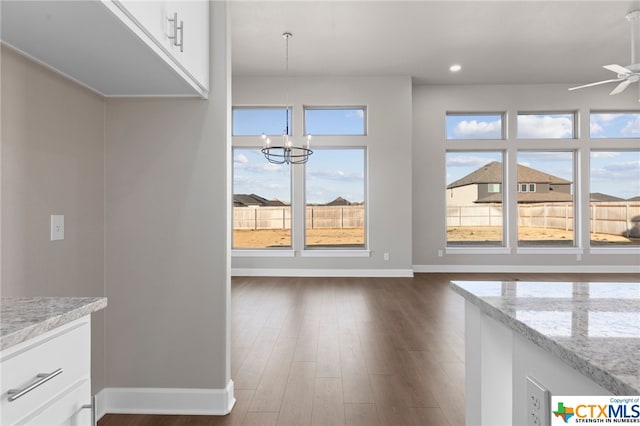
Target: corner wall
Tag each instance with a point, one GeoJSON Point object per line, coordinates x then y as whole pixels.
{"type": "Point", "coordinates": [52, 163]}
{"type": "Point", "coordinates": [167, 264]}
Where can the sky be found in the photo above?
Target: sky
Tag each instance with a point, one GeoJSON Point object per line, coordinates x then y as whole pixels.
{"type": "Point", "coordinates": [330, 173]}
{"type": "Point", "coordinates": [612, 173]}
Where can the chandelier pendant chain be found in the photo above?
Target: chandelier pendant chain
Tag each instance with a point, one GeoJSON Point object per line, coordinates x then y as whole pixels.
{"type": "Point", "coordinates": [287, 153]}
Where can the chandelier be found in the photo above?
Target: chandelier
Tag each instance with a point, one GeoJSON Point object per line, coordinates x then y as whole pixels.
{"type": "Point", "coordinates": [286, 152]}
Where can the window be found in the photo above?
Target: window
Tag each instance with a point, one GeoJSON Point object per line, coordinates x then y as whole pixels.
{"type": "Point", "coordinates": [474, 126]}
{"type": "Point", "coordinates": [614, 125]}
{"type": "Point", "coordinates": [526, 187]}
{"type": "Point", "coordinates": [474, 198]}
{"type": "Point", "coordinates": [335, 199]}
{"type": "Point", "coordinates": [257, 121]}
{"type": "Point", "coordinates": [614, 198]}
{"type": "Point", "coordinates": [261, 202]}
{"type": "Point", "coordinates": [546, 126]}
{"type": "Point", "coordinates": [335, 121]}
{"type": "Point", "coordinates": [493, 188]}
{"type": "Point", "coordinates": [545, 201]}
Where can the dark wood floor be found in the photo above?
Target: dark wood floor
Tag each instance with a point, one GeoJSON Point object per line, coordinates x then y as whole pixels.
{"type": "Point", "coordinates": [347, 351]}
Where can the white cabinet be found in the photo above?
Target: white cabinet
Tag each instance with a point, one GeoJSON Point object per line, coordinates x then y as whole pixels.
{"type": "Point", "coordinates": [178, 28]}
{"type": "Point", "coordinates": [115, 47]}
{"type": "Point", "coordinates": [47, 380]}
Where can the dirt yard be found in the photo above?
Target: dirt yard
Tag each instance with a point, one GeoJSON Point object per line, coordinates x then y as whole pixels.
{"type": "Point", "coordinates": [263, 238]}
{"type": "Point", "coordinates": [490, 233]}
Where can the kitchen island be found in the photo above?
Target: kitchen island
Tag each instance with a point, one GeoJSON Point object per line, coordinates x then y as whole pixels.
{"type": "Point", "coordinates": [572, 338]}
{"type": "Point", "coordinates": [45, 360]}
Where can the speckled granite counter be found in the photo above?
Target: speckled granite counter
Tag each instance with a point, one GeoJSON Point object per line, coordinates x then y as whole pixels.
{"type": "Point", "coordinates": [593, 327]}
{"type": "Point", "coordinates": [24, 318]}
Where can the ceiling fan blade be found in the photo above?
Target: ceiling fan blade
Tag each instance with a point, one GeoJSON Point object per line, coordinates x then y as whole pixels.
{"type": "Point", "coordinates": [596, 84]}
{"type": "Point", "coordinates": [620, 87]}
{"type": "Point", "coordinates": [618, 69]}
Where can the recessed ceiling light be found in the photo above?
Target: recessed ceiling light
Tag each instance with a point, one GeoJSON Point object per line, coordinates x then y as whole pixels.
{"type": "Point", "coordinates": [455, 68]}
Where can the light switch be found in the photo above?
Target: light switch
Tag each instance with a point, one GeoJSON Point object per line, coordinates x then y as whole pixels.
{"type": "Point", "coordinates": [57, 227]}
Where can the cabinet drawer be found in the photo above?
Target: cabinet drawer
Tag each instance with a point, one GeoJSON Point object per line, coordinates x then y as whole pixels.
{"type": "Point", "coordinates": [67, 348]}
{"type": "Point", "coordinates": [67, 409]}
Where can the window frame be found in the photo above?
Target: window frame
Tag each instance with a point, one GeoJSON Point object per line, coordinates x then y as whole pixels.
{"type": "Point", "coordinates": [610, 111]}
{"type": "Point", "coordinates": [503, 247]}
{"type": "Point", "coordinates": [577, 244]}
{"type": "Point", "coordinates": [574, 125]}
{"type": "Point", "coordinates": [284, 251]}
{"type": "Point", "coordinates": [503, 124]}
{"type": "Point", "coordinates": [329, 251]}
{"type": "Point", "coordinates": [365, 119]}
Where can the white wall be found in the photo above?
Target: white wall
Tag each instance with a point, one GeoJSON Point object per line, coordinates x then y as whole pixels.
{"type": "Point", "coordinates": [167, 264]}
{"type": "Point", "coordinates": [52, 163]}
{"type": "Point", "coordinates": [430, 104]}
{"type": "Point", "coordinates": [388, 102]}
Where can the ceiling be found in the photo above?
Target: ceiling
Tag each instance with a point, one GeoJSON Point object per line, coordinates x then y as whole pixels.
{"type": "Point", "coordinates": [496, 42]}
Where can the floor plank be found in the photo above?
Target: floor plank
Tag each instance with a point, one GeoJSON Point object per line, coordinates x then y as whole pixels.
{"type": "Point", "coordinates": [352, 351]}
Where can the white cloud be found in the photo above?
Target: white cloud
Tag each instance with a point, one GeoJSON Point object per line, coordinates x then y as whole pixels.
{"type": "Point", "coordinates": [604, 154]}
{"type": "Point", "coordinates": [241, 159]}
{"type": "Point", "coordinates": [595, 128]}
{"type": "Point", "coordinates": [359, 113]}
{"type": "Point", "coordinates": [475, 129]}
{"type": "Point", "coordinates": [603, 117]}
{"type": "Point", "coordinates": [544, 127]}
{"type": "Point", "coordinates": [632, 128]}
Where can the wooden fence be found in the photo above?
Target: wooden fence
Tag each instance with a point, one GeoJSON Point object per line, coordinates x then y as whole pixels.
{"type": "Point", "coordinates": [316, 217]}
{"type": "Point", "coordinates": [617, 218]}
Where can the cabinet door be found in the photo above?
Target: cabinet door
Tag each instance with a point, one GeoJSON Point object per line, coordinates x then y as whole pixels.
{"type": "Point", "coordinates": [149, 15]}
{"type": "Point", "coordinates": [194, 36]}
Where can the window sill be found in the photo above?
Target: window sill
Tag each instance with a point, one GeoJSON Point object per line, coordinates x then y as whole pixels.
{"type": "Point", "coordinates": [614, 250]}
{"type": "Point", "coordinates": [335, 253]}
{"type": "Point", "coordinates": [477, 250]}
{"type": "Point", "coordinates": [263, 253]}
{"type": "Point", "coordinates": [550, 250]}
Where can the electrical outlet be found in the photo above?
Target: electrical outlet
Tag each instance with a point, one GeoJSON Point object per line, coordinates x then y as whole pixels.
{"type": "Point", "coordinates": [57, 227]}
{"type": "Point", "coordinates": [440, 253]}
{"type": "Point", "coordinates": [386, 257]}
{"type": "Point", "coordinates": [538, 413]}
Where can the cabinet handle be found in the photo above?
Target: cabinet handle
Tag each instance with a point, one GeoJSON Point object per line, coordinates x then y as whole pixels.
{"type": "Point", "coordinates": [181, 28]}
{"type": "Point", "coordinates": [43, 378]}
{"type": "Point", "coordinates": [176, 28]}
{"type": "Point", "coordinates": [92, 408]}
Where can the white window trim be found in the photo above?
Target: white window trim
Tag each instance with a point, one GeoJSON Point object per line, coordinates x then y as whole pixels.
{"type": "Point", "coordinates": [477, 250]}
{"type": "Point", "coordinates": [550, 250]}
{"type": "Point", "coordinates": [320, 252]}
{"type": "Point", "coordinates": [614, 250]}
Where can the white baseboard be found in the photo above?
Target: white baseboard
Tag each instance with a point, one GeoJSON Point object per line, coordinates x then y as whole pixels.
{"type": "Point", "coordinates": [560, 269]}
{"type": "Point", "coordinates": [286, 272]}
{"type": "Point", "coordinates": [217, 402]}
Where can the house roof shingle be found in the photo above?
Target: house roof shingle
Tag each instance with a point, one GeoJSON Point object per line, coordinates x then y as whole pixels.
{"type": "Point", "coordinates": [492, 173]}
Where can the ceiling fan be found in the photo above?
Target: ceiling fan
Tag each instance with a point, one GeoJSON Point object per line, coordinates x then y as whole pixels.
{"type": "Point", "coordinates": [630, 73]}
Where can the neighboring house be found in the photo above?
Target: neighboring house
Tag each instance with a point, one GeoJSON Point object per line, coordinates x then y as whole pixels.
{"type": "Point", "coordinates": [485, 186]}
{"type": "Point", "coordinates": [253, 200]}
{"type": "Point", "coordinates": [599, 197]}
{"type": "Point", "coordinates": [339, 202]}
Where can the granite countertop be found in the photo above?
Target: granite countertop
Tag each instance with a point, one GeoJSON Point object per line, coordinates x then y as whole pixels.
{"type": "Point", "coordinates": [593, 327]}
{"type": "Point", "coordinates": [22, 318]}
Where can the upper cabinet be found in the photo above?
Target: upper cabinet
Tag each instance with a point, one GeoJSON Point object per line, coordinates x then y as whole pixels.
{"type": "Point", "coordinates": [117, 48]}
